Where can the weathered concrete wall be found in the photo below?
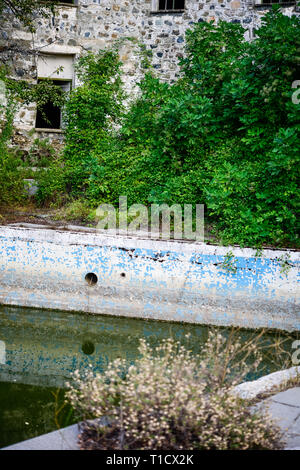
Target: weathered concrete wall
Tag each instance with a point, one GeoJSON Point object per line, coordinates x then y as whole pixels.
{"type": "Point", "coordinates": [96, 24]}
{"type": "Point", "coordinates": [148, 278]}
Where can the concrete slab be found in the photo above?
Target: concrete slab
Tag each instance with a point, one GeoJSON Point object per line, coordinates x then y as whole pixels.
{"type": "Point", "coordinates": [293, 439]}
{"type": "Point", "coordinates": [284, 415]}
{"type": "Point", "coordinates": [64, 439]}
{"type": "Point", "coordinates": [290, 397]}
{"type": "Point", "coordinates": [284, 408]}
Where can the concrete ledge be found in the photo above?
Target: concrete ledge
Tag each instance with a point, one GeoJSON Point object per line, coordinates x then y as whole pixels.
{"type": "Point", "coordinates": [250, 390]}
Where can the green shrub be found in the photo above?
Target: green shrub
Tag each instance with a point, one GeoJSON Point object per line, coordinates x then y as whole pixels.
{"type": "Point", "coordinates": [12, 188]}
{"type": "Point", "coordinates": [90, 112]}
{"type": "Point", "coordinates": [13, 166]}
{"type": "Point", "coordinates": [226, 134]}
{"type": "Point", "coordinates": [256, 201]}
{"type": "Point", "coordinates": [41, 153]}
{"type": "Point", "coordinates": [52, 187]}
{"type": "Point", "coordinates": [11, 178]}
{"type": "Point", "coordinates": [78, 210]}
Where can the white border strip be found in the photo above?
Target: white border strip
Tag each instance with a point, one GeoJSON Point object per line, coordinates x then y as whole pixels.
{"type": "Point", "coordinates": [250, 390]}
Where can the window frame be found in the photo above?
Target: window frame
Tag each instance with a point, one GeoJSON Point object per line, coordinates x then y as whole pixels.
{"type": "Point", "coordinates": [284, 4]}
{"type": "Point", "coordinates": [63, 81]}
{"type": "Point", "coordinates": [63, 3]}
{"type": "Point", "coordinates": [155, 9]}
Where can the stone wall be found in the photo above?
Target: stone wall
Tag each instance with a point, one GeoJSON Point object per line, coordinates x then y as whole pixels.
{"type": "Point", "coordinates": [96, 24]}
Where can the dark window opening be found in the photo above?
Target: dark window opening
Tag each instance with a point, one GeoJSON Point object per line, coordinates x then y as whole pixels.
{"type": "Point", "coordinates": [70, 2]}
{"type": "Point", "coordinates": [276, 2]}
{"type": "Point", "coordinates": [49, 116]}
{"type": "Point", "coordinates": [171, 5]}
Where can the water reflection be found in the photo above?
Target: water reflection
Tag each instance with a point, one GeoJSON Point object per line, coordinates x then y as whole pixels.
{"type": "Point", "coordinates": [2, 352]}
{"type": "Point", "coordinates": [44, 348]}
{"type": "Point", "coordinates": [40, 349]}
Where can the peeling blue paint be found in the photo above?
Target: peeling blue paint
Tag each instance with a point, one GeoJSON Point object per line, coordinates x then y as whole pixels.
{"type": "Point", "coordinates": [148, 279]}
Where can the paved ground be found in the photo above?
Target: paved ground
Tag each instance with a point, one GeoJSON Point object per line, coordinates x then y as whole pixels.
{"type": "Point", "coordinates": [284, 407]}
{"type": "Point", "coordinates": [64, 439]}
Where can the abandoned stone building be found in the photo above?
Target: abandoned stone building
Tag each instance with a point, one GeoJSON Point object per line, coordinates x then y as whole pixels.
{"type": "Point", "coordinates": [83, 25]}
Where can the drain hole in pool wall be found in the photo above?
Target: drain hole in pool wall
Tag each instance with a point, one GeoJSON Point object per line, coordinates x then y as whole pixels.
{"type": "Point", "coordinates": [123, 275]}
{"type": "Point", "coordinates": [91, 279]}
{"type": "Point", "coordinates": [88, 348]}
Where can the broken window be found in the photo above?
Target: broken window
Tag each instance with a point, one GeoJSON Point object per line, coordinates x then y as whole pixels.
{"type": "Point", "coordinates": [49, 116]}
{"type": "Point", "coordinates": [171, 5]}
{"type": "Point", "coordinates": [59, 69]}
{"type": "Point", "coordinates": [62, 2]}
{"type": "Point", "coordinates": [272, 2]}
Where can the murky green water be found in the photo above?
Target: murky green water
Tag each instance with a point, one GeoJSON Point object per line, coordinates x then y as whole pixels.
{"type": "Point", "coordinates": [40, 349]}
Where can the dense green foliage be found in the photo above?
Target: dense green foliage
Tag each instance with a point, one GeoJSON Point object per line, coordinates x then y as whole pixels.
{"type": "Point", "coordinates": [13, 169]}
{"type": "Point", "coordinates": [15, 92]}
{"type": "Point", "coordinates": [226, 134]}
{"type": "Point", "coordinates": [90, 112]}
{"type": "Point", "coordinates": [11, 183]}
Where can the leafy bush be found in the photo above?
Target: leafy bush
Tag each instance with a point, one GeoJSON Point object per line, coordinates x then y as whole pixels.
{"type": "Point", "coordinates": [13, 167]}
{"type": "Point", "coordinates": [170, 399]}
{"type": "Point", "coordinates": [78, 210]}
{"type": "Point", "coordinates": [52, 186]}
{"type": "Point", "coordinates": [41, 153]}
{"type": "Point", "coordinates": [11, 178]}
{"type": "Point", "coordinates": [259, 197]}
{"type": "Point", "coordinates": [226, 134]}
{"type": "Point", "coordinates": [90, 112]}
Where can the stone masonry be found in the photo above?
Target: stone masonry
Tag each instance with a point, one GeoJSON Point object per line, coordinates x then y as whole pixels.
{"type": "Point", "coordinates": [90, 25]}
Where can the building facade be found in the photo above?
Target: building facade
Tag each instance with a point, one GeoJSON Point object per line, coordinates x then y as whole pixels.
{"type": "Point", "coordinates": [89, 25]}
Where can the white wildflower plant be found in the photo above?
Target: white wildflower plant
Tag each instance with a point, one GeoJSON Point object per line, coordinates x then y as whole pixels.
{"type": "Point", "coordinates": [173, 399]}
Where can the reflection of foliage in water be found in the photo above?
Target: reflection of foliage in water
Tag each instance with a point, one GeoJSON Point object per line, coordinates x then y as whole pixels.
{"type": "Point", "coordinates": [27, 411]}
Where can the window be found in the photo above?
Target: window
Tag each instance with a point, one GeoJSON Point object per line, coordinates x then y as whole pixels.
{"type": "Point", "coordinates": [58, 68]}
{"type": "Point", "coordinates": [50, 116]}
{"type": "Point", "coordinates": [67, 2]}
{"type": "Point", "coordinates": [276, 2]}
{"type": "Point", "coordinates": [171, 5]}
